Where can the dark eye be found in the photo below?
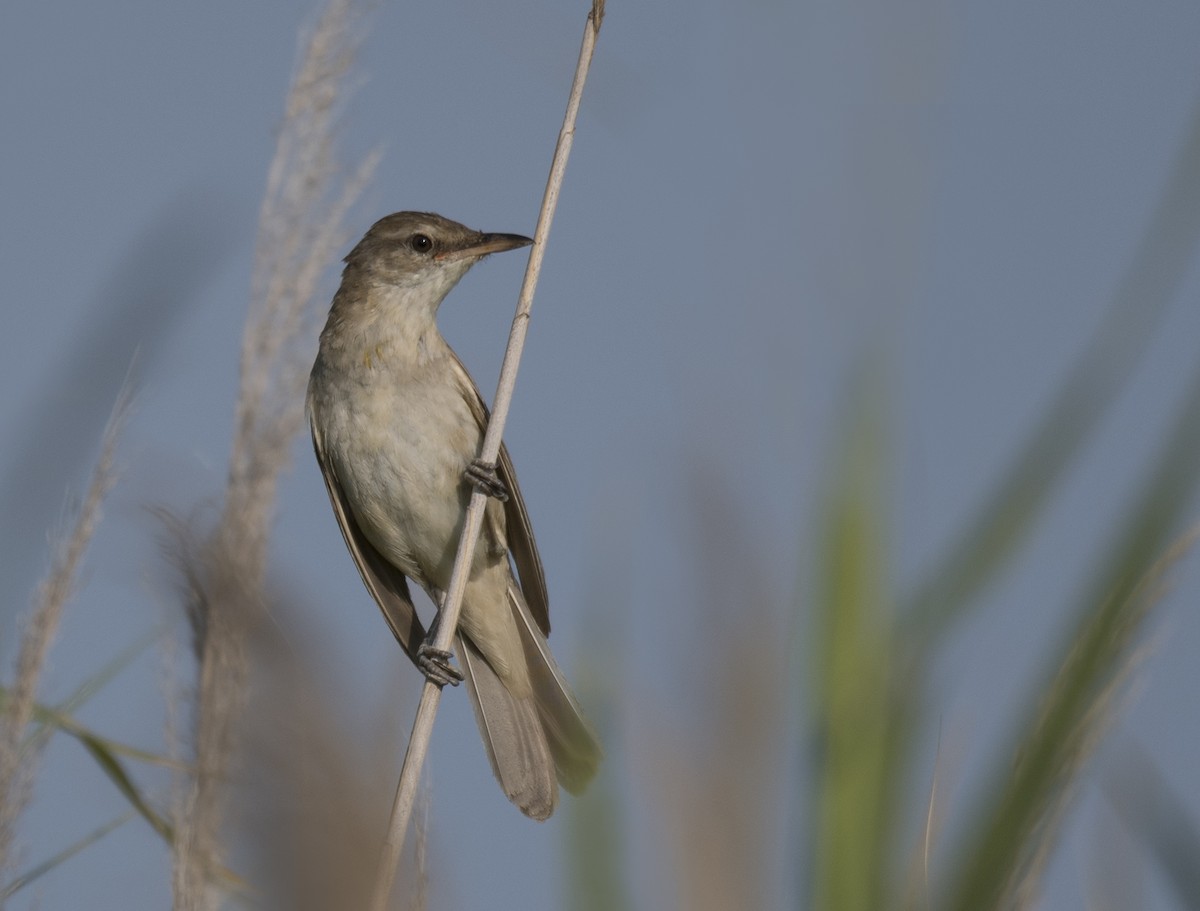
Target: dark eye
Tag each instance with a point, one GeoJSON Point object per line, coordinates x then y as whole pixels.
{"type": "Point", "coordinates": [420, 243]}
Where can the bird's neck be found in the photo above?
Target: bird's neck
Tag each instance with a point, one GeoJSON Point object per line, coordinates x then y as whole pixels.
{"type": "Point", "coordinates": [377, 325]}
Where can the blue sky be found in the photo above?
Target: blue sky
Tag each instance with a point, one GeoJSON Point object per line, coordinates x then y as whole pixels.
{"type": "Point", "coordinates": [759, 193]}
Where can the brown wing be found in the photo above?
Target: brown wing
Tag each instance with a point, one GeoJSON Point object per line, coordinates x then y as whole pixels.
{"type": "Point", "coordinates": [523, 546]}
{"type": "Point", "coordinates": [518, 531]}
{"type": "Point", "coordinates": [387, 585]}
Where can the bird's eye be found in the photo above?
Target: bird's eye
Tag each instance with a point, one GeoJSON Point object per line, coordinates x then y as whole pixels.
{"type": "Point", "coordinates": [420, 243]}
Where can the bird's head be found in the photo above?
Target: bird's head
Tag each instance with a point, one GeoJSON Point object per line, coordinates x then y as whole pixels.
{"type": "Point", "coordinates": [423, 252]}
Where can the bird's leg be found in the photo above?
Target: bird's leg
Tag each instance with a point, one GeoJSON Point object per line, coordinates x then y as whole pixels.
{"type": "Point", "coordinates": [482, 475]}
{"type": "Point", "coordinates": [437, 663]}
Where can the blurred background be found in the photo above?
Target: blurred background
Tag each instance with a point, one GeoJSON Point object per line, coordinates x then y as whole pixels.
{"type": "Point", "coordinates": [822, 277]}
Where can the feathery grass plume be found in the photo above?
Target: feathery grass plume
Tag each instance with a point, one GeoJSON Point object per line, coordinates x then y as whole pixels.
{"type": "Point", "coordinates": [300, 231]}
{"type": "Point", "coordinates": [17, 763]}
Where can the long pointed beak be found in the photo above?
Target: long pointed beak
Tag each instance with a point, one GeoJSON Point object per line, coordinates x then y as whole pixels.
{"type": "Point", "coordinates": [487, 243]}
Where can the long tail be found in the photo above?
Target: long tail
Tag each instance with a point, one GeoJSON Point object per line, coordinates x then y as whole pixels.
{"type": "Point", "coordinates": [512, 733]}
{"type": "Point", "coordinates": [572, 742]}
{"type": "Point", "coordinates": [533, 742]}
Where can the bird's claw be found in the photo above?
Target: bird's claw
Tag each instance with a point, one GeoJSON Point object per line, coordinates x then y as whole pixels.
{"type": "Point", "coordinates": [483, 476]}
{"type": "Point", "coordinates": [435, 664]}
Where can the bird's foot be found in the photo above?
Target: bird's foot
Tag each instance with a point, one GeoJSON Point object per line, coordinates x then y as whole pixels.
{"type": "Point", "coordinates": [436, 664]}
{"type": "Point", "coordinates": [482, 475]}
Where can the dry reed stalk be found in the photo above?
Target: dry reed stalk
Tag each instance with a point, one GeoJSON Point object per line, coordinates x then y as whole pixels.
{"type": "Point", "coordinates": [17, 770]}
{"type": "Point", "coordinates": [418, 743]}
{"type": "Point", "coordinates": [300, 231]}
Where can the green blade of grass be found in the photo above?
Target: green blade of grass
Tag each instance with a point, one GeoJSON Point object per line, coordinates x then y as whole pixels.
{"type": "Point", "coordinates": [57, 720]}
{"type": "Point", "coordinates": [64, 855]}
{"type": "Point", "coordinates": [1016, 825]}
{"type": "Point", "coordinates": [103, 750]}
{"type": "Point", "coordinates": [105, 753]}
{"type": "Point", "coordinates": [1158, 266]}
{"type": "Point", "coordinates": [112, 767]}
{"type": "Point", "coordinates": [595, 857]}
{"type": "Point", "coordinates": [857, 731]}
{"type": "Point", "coordinates": [595, 854]}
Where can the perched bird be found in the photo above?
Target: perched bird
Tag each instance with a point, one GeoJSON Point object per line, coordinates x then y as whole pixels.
{"type": "Point", "coordinates": [397, 425]}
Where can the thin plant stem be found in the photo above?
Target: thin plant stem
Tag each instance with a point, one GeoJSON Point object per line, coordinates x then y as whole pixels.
{"type": "Point", "coordinates": [448, 610]}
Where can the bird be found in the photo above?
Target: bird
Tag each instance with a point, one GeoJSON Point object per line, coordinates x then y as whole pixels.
{"type": "Point", "coordinates": [397, 424]}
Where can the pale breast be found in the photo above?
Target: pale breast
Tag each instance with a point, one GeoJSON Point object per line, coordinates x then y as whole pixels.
{"type": "Point", "coordinates": [400, 441]}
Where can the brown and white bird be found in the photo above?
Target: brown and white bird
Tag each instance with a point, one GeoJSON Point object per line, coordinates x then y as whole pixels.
{"type": "Point", "coordinates": [397, 425]}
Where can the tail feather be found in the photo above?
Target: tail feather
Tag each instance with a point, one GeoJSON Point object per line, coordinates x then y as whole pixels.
{"type": "Point", "coordinates": [573, 744]}
{"type": "Point", "coordinates": [536, 741]}
{"type": "Point", "coordinates": [512, 733]}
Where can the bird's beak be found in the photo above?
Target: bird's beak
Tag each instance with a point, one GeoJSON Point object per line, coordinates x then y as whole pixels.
{"type": "Point", "coordinates": [485, 244]}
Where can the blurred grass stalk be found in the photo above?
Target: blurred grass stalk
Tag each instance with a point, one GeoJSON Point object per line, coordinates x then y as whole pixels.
{"type": "Point", "coordinates": [1014, 831]}
{"type": "Point", "coordinates": [300, 232]}
{"type": "Point", "coordinates": [869, 687]}
{"type": "Point", "coordinates": [870, 690]}
{"type": "Point", "coordinates": [851, 653]}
